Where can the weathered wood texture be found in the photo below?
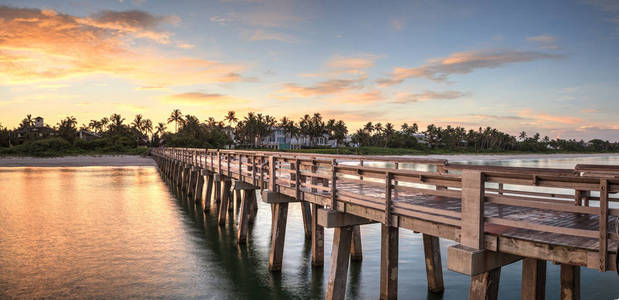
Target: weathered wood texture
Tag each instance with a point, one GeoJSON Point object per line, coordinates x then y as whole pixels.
{"type": "Point", "coordinates": [570, 282]}
{"type": "Point", "coordinates": [533, 279]}
{"type": "Point", "coordinates": [434, 268]}
{"type": "Point", "coordinates": [340, 255]}
{"type": "Point", "coordinates": [485, 285]}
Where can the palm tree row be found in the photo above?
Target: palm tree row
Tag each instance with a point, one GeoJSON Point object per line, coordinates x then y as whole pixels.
{"type": "Point", "coordinates": [251, 130]}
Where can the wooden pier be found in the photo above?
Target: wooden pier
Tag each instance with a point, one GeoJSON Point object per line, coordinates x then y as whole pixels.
{"type": "Point", "coordinates": [497, 215]}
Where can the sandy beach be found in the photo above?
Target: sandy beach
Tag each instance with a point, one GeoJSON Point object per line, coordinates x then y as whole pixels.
{"type": "Point", "coordinates": [77, 161]}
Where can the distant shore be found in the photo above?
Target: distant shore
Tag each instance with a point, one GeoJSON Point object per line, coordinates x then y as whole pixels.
{"type": "Point", "coordinates": [78, 161]}
{"type": "Point", "coordinates": [495, 157]}
{"type": "Point", "coordinates": [137, 160]}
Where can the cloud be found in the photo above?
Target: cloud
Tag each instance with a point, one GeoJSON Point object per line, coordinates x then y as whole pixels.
{"type": "Point", "coordinates": [269, 16]}
{"type": "Point", "coordinates": [264, 35]}
{"type": "Point", "coordinates": [541, 118]}
{"type": "Point", "coordinates": [40, 45]}
{"type": "Point", "coordinates": [368, 97]}
{"type": "Point", "coordinates": [354, 115]}
{"type": "Point", "coordinates": [199, 98]}
{"type": "Point", "coordinates": [184, 45]}
{"type": "Point", "coordinates": [496, 117]}
{"type": "Point", "coordinates": [544, 41]}
{"type": "Point", "coordinates": [404, 98]}
{"type": "Point", "coordinates": [323, 88]}
{"type": "Point", "coordinates": [138, 23]}
{"type": "Point", "coordinates": [351, 62]}
{"type": "Point", "coordinates": [439, 69]}
{"type": "Point", "coordinates": [590, 110]}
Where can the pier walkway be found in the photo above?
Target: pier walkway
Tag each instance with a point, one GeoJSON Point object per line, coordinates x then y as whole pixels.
{"type": "Point", "coordinates": [497, 215]}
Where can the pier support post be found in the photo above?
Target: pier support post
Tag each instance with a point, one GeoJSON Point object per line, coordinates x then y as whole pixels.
{"type": "Point", "coordinates": [237, 200]}
{"type": "Point", "coordinates": [434, 268]}
{"type": "Point", "coordinates": [389, 262]}
{"type": "Point", "coordinates": [307, 219]}
{"type": "Point", "coordinates": [278, 235]}
{"type": "Point", "coordinates": [570, 282]}
{"type": "Point", "coordinates": [485, 286]}
{"type": "Point", "coordinates": [217, 190]}
{"type": "Point", "coordinates": [356, 251]}
{"type": "Point", "coordinates": [225, 201]}
{"type": "Point", "coordinates": [246, 198]}
{"type": "Point", "coordinates": [208, 194]}
{"type": "Point", "coordinates": [199, 189]}
{"type": "Point", "coordinates": [533, 279]}
{"type": "Point", "coordinates": [318, 242]}
{"type": "Point", "coordinates": [338, 271]}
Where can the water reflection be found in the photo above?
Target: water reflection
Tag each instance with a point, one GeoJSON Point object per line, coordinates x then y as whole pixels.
{"type": "Point", "coordinates": [107, 232]}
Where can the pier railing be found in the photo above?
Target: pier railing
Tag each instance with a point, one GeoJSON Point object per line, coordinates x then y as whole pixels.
{"type": "Point", "coordinates": [528, 203]}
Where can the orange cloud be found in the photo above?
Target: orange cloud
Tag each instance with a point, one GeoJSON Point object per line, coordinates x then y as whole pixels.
{"type": "Point", "coordinates": [323, 88]}
{"type": "Point", "coordinates": [357, 98]}
{"type": "Point", "coordinates": [199, 98]}
{"type": "Point", "coordinates": [351, 62]}
{"type": "Point", "coordinates": [38, 45]}
{"type": "Point", "coordinates": [439, 69]}
{"type": "Point", "coordinates": [542, 117]}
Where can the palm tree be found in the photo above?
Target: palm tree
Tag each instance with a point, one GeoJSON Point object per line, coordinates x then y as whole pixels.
{"type": "Point", "coordinates": [523, 135]}
{"type": "Point", "coordinates": [138, 122]}
{"type": "Point", "coordinates": [148, 126]}
{"type": "Point", "coordinates": [177, 117]}
{"type": "Point", "coordinates": [160, 128]}
{"type": "Point", "coordinates": [116, 122]}
{"type": "Point", "coordinates": [231, 118]}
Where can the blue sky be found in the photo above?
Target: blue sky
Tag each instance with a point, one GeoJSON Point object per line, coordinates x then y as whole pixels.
{"type": "Point", "coordinates": [548, 67]}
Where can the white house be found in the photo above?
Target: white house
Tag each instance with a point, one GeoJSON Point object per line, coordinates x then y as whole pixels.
{"type": "Point", "coordinates": [280, 139]}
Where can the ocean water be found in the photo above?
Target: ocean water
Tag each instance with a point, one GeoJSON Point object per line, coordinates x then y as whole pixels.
{"type": "Point", "coordinates": [119, 232]}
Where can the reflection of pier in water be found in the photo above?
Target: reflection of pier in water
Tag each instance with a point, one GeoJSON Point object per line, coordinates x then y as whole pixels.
{"type": "Point", "coordinates": [498, 215]}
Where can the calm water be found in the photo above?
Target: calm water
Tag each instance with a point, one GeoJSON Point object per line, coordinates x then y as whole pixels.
{"type": "Point", "coordinates": [108, 232]}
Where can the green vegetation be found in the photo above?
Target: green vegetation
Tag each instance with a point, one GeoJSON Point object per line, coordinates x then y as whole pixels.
{"type": "Point", "coordinates": [311, 132]}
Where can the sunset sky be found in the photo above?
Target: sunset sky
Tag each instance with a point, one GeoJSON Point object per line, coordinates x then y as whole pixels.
{"type": "Point", "coordinates": [551, 67]}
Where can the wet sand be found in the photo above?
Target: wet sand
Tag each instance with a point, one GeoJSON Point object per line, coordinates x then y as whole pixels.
{"type": "Point", "coordinates": [77, 161]}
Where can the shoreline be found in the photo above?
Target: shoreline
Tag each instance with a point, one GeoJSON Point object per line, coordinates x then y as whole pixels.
{"type": "Point", "coordinates": [136, 160]}
{"type": "Point", "coordinates": [78, 161]}
{"type": "Point", "coordinates": [499, 157]}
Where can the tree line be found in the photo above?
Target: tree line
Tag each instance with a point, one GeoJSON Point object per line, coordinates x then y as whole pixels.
{"type": "Point", "coordinates": [250, 130]}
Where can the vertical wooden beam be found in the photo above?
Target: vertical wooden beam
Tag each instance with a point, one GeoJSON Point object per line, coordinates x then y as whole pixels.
{"type": "Point", "coordinates": [217, 191]}
{"type": "Point", "coordinates": [318, 243]}
{"type": "Point", "coordinates": [199, 189]}
{"type": "Point", "coordinates": [570, 282]}
{"type": "Point", "coordinates": [388, 262]}
{"type": "Point", "coordinates": [603, 224]}
{"type": "Point", "coordinates": [356, 250]}
{"type": "Point", "coordinates": [472, 234]}
{"type": "Point", "coordinates": [208, 194]}
{"type": "Point", "coordinates": [387, 217]}
{"type": "Point", "coordinates": [338, 270]}
{"type": "Point", "coordinates": [225, 201]}
{"type": "Point", "coordinates": [237, 200]}
{"type": "Point", "coordinates": [244, 216]}
{"type": "Point", "coordinates": [533, 279]}
{"type": "Point", "coordinates": [485, 286]}
{"type": "Point", "coordinates": [333, 184]}
{"type": "Point", "coordinates": [434, 267]}
{"type": "Point", "coordinates": [278, 236]}
{"type": "Point", "coordinates": [307, 218]}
